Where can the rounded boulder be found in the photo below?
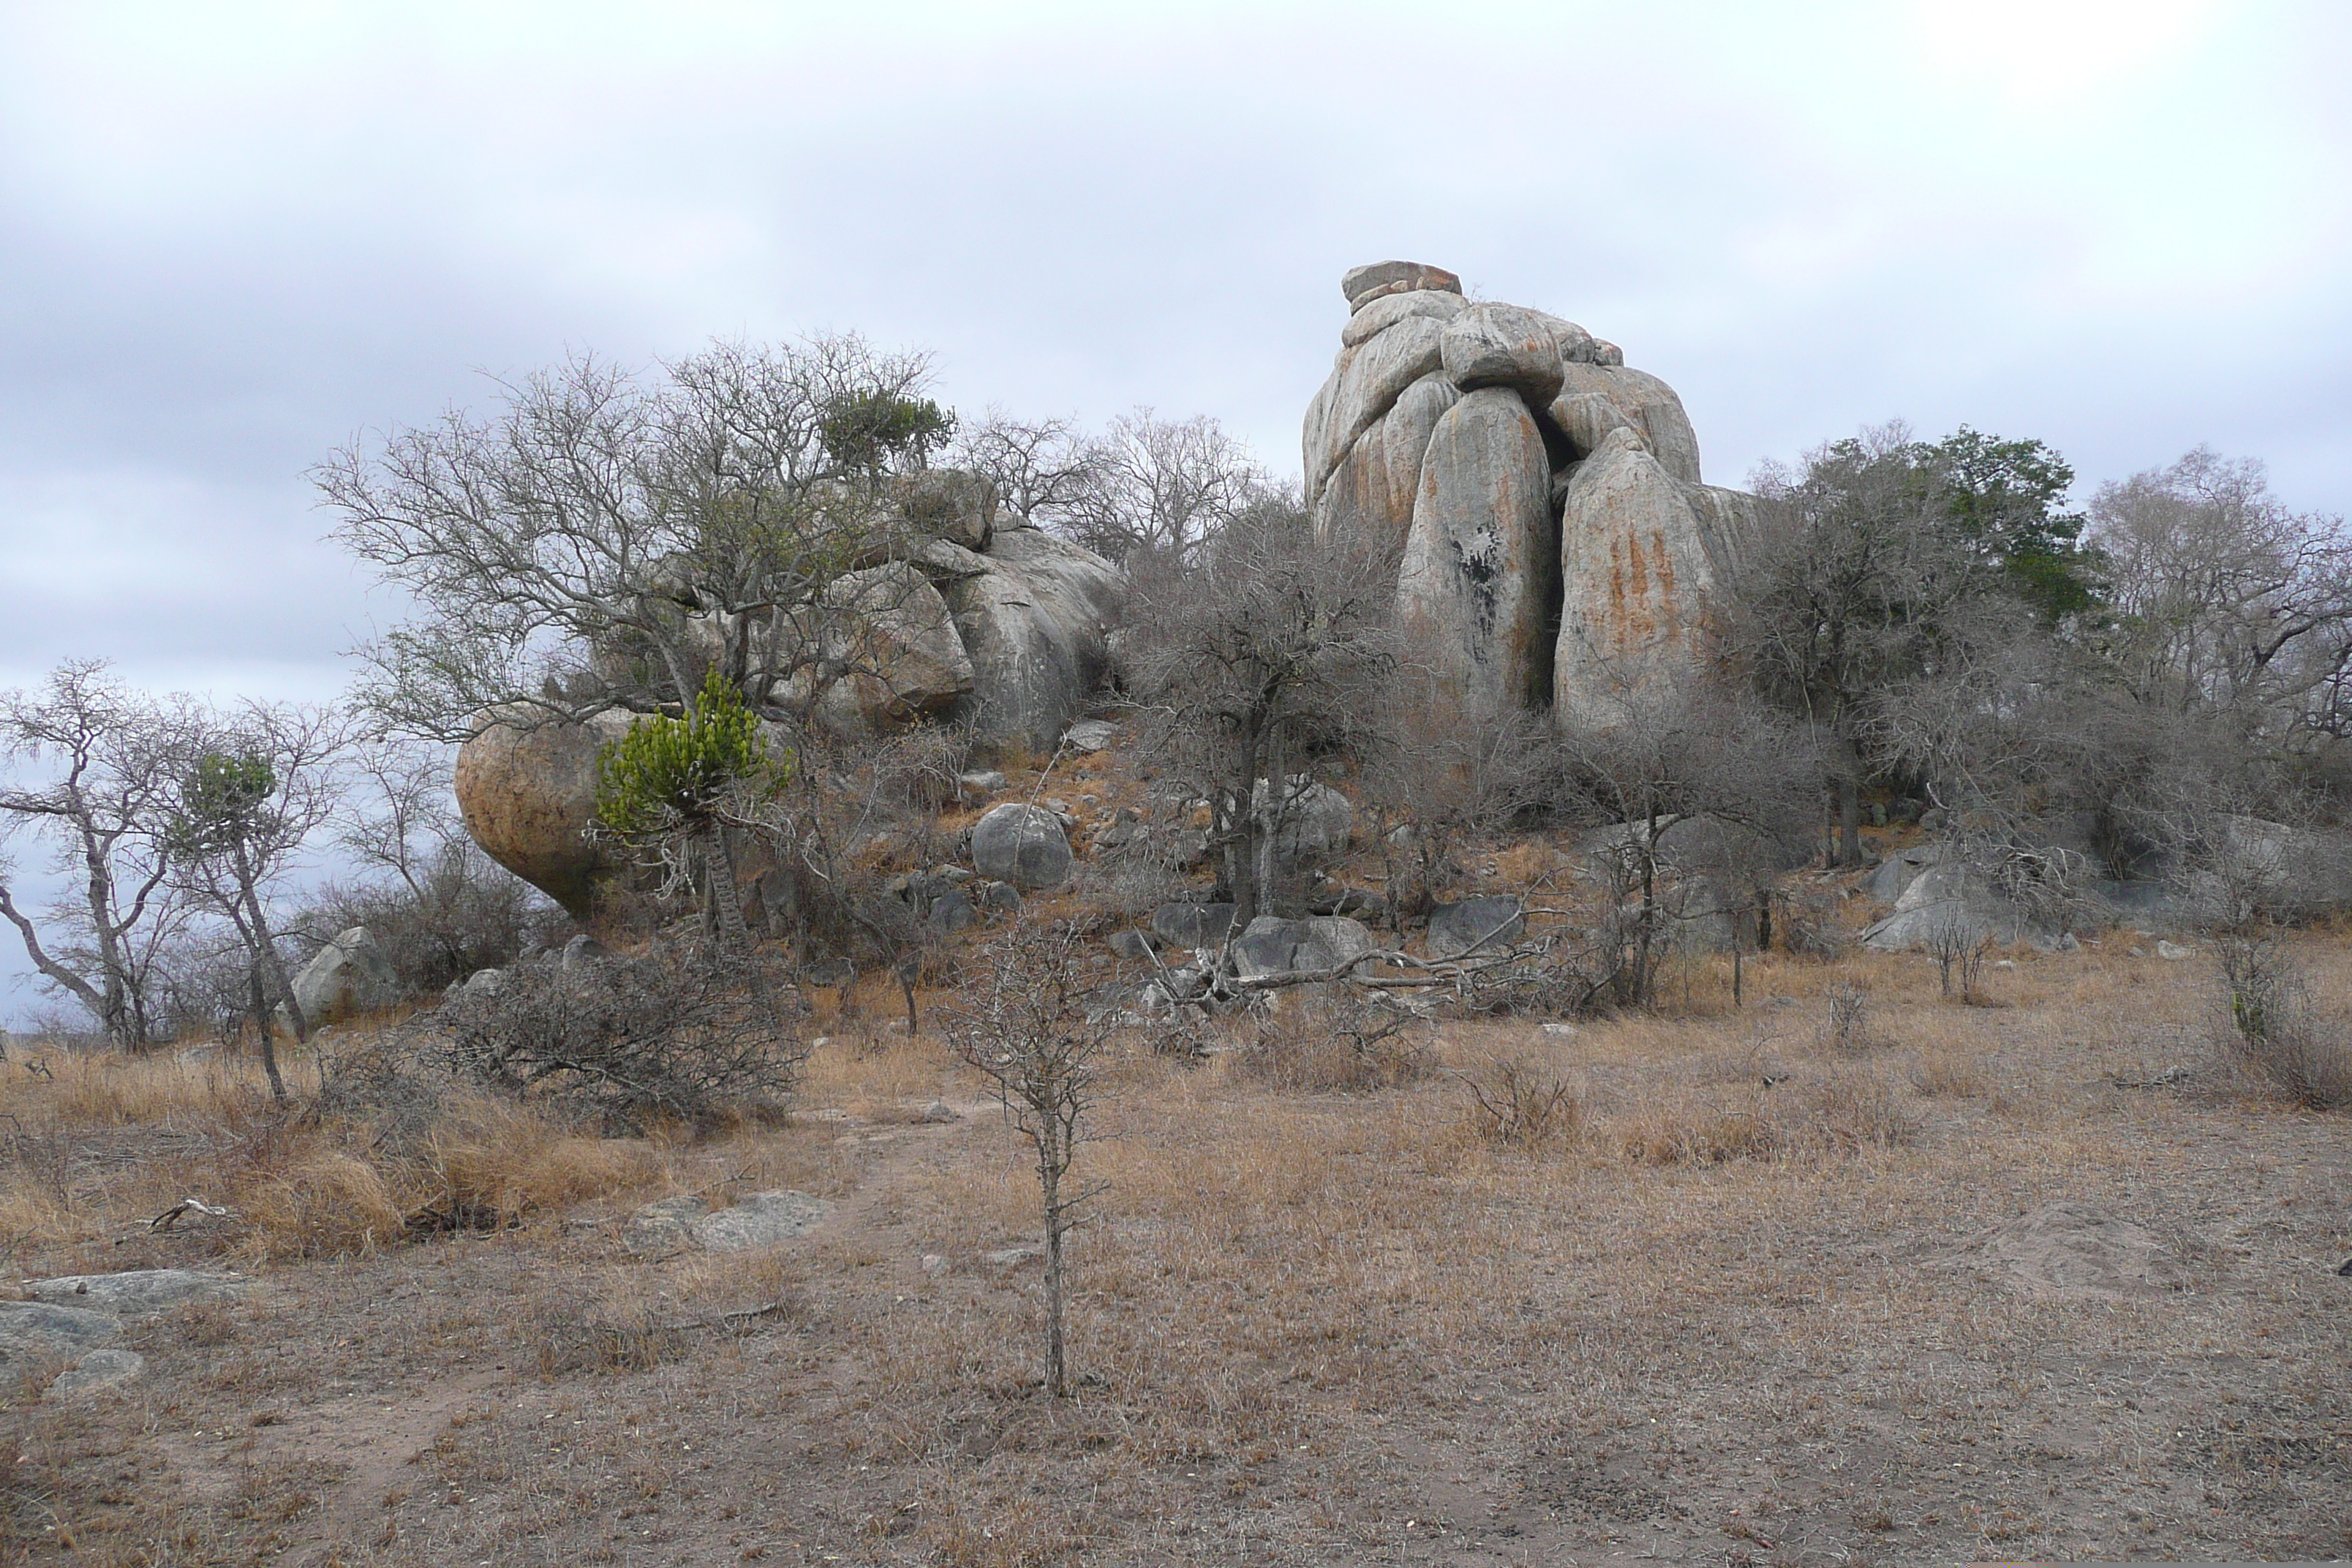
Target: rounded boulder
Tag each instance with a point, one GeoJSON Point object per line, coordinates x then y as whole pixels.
{"type": "Point", "coordinates": [1024, 845]}
{"type": "Point", "coordinates": [526, 790]}
{"type": "Point", "coordinates": [1502, 345]}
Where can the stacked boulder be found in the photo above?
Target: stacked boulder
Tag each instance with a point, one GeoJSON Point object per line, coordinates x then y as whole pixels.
{"type": "Point", "coordinates": [1538, 501]}
{"type": "Point", "coordinates": [971, 618]}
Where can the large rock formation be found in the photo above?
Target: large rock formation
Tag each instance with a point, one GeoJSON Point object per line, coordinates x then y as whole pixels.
{"type": "Point", "coordinates": [968, 618]}
{"type": "Point", "coordinates": [1541, 501]}
{"type": "Point", "coordinates": [527, 789]}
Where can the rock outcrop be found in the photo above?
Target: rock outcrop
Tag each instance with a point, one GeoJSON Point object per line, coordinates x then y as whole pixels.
{"type": "Point", "coordinates": [973, 618]}
{"type": "Point", "coordinates": [1540, 500]}
{"type": "Point", "coordinates": [349, 976]}
{"type": "Point", "coordinates": [527, 789]}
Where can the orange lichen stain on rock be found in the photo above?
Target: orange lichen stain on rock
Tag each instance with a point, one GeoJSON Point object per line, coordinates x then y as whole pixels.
{"type": "Point", "coordinates": [1630, 622]}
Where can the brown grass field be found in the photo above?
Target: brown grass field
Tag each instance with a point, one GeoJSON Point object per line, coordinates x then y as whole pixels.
{"type": "Point", "coordinates": [1699, 1317]}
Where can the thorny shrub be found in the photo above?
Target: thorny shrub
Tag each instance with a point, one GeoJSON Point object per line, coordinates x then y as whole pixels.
{"type": "Point", "coordinates": [682, 1032]}
{"type": "Point", "coordinates": [2273, 1027]}
{"type": "Point", "coordinates": [1336, 1041]}
{"type": "Point", "coordinates": [1518, 1105]}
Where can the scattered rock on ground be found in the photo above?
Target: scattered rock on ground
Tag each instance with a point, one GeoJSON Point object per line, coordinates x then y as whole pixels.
{"type": "Point", "coordinates": [1272, 945]}
{"type": "Point", "coordinates": [583, 951]}
{"type": "Point", "coordinates": [1192, 925]}
{"type": "Point", "coordinates": [664, 1226]}
{"type": "Point", "coordinates": [1023, 845]}
{"type": "Point", "coordinates": [951, 913]}
{"type": "Point", "coordinates": [1129, 944]}
{"type": "Point", "coordinates": [136, 1292]}
{"type": "Point", "coordinates": [350, 975]}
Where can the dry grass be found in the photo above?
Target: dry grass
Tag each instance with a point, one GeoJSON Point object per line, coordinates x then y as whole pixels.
{"type": "Point", "coordinates": [1730, 1305]}
{"type": "Point", "coordinates": [89, 1144]}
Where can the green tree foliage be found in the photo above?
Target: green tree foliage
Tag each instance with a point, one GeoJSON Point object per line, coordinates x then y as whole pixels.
{"type": "Point", "coordinates": [666, 781]}
{"type": "Point", "coordinates": [873, 431]}
{"type": "Point", "coordinates": [224, 804]}
{"type": "Point", "coordinates": [2008, 501]}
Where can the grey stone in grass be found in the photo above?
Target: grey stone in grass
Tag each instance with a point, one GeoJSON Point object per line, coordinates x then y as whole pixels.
{"type": "Point", "coordinates": [759, 1219]}
{"type": "Point", "coordinates": [100, 1369]}
{"type": "Point", "coordinates": [30, 1330]}
{"type": "Point", "coordinates": [1024, 845]}
{"type": "Point", "coordinates": [1487, 924]}
{"type": "Point", "coordinates": [1129, 943]}
{"type": "Point", "coordinates": [664, 1225]}
{"type": "Point", "coordinates": [1192, 925]}
{"type": "Point", "coordinates": [136, 1292]}
{"type": "Point", "coordinates": [1088, 736]}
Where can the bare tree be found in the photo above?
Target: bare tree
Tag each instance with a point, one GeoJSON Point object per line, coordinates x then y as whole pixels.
{"type": "Point", "coordinates": [1437, 776]}
{"type": "Point", "coordinates": [1028, 1033]}
{"type": "Point", "coordinates": [1261, 659]}
{"type": "Point", "coordinates": [106, 755]}
{"type": "Point", "coordinates": [2223, 599]}
{"type": "Point", "coordinates": [607, 539]}
{"type": "Point", "coordinates": [1699, 797]}
{"type": "Point", "coordinates": [1043, 469]}
{"type": "Point", "coordinates": [250, 789]}
{"type": "Point", "coordinates": [441, 908]}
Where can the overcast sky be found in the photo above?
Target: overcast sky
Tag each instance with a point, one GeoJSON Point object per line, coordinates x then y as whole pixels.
{"type": "Point", "coordinates": [233, 237]}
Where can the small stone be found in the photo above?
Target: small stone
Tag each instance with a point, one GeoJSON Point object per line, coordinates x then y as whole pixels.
{"type": "Point", "coordinates": [951, 912]}
{"type": "Point", "coordinates": [1362, 285]}
{"type": "Point", "coordinates": [1192, 925]}
{"type": "Point", "coordinates": [1132, 944]}
{"type": "Point", "coordinates": [664, 1225]}
{"type": "Point", "coordinates": [1024, 845]}
{"type": "Point", "coordinates": [1088, 736]}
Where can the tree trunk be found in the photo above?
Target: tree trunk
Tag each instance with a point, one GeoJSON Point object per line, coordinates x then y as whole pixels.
{"type": "Point", "coordinates": [1056, 1366]}
{"type": "Point", "coordinates": [726, 893]}
{"type": "Point", "coordinates": [266, 954]}
{"type": "Point", "coordinates": [1236, 824]}
{"type": "Point", "coordinates": [259, 1007]}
